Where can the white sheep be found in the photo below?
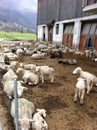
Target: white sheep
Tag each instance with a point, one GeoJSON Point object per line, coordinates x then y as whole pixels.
{"type": "Point", "coordinates": [19, 53]}
{"type": "Point", "coordinates": [31, 67]}
{"type": "Point", "coordinates": [14, 65]}
{"type": "Point", "coordinates": [80, 90]}
{"type": "Point", "coordinates": [12, 56]}
{"type": "Point", "coordinates": [38, 120]}
{"type": "Point", "coordinates": [25, 111]}
{"type": "Point", "coordinates": [45, 70]}
{"type": "Point", "coordinates": [28, 76]}
{"type": "Point", "coordinates": [9, 75]}
{"type": "Point", "coordinates": [90, 78]}
{"type": "Point", "coordinates": [9, 88]}
{"type": "Point", "coordinates": [37, 56]}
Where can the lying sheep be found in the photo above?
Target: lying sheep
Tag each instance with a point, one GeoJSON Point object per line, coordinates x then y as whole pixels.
{"type": "Point", "coordinates": [28, 76]}
{"type": "Point", "coordinates": [45, 70]}
{"type": "Point", "coordinates": [38, 120]}
{"type": "Point", "coordinates": [31, 67]}
{"type": "Point", "coordinates": [12, 56]}
{"type": "Point", "coordinates": [68, 61]}
{"type": "Point", "coordinates": [9, 88]}
{"type": "Point", "coordinates": [25, 111]}
{"type": "Point", "coordinates": [90, 78]}
{"type": "Point", "coordinates": [38, 56]}
{"type": "Point", "coordinates": [19, 53]}
{"type": "Point", "coordinates": [80, 90]}
{"type": "Point", "coordinates": [56, 55]}
{"type": "Point", "coordinates": [14, 65]}
{"type": "Point", "coordinates": [9, 75]}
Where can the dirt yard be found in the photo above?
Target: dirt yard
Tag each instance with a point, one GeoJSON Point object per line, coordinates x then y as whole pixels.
{"type": "Point", "coordinates": [57, 97]}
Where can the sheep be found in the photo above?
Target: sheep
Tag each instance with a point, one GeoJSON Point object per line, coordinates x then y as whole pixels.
{"type": "Point", "coordinates": [45, 70]}
{"type": "Point", "coordinates": [80, 90]}
{"type": "Point", "coordinates": [12, 56]}
{"type": "Point", "coordinates": [90, 78]}
{"type": "Point", "coordinates": [38, 120]}
{"type": "Point", "coordinates": [31, 67]}
{"type": "Point", "coordinates": [38, 56]}
{"type": "Point", "coordinates": [25, 111]}
{"type": "Point", "coordinates": [14, 65]}
{"type": "Point", "coordinates": [68, 61]}
{"type": "Point", "coordinates": [28, 76]}
{"type": "Point", "coordinates": [41, 46]}
{"type": "Point", "coordinates": [9, 88]}
{"type": "Point", "coordinates": [56, 55]}
{"type": "Point", "coordinates": [19, 53]}
{"type": "Point", "coordinates": [9, 75]}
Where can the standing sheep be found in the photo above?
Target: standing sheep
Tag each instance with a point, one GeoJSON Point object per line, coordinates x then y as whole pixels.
{"type": "Point", "coordinates": [80, 90]}
{"type": "Point", "coordinates": [90, 78]}
{"type": "Point", "coordinates": [45, 70]}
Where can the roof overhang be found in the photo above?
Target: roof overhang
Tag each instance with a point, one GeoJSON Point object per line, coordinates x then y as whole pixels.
{"type": "Point", "coordinates": [90, 8]}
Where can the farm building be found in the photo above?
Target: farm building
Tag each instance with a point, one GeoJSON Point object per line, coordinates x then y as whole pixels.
{"type": "Point", "coordinates": [72, 23]}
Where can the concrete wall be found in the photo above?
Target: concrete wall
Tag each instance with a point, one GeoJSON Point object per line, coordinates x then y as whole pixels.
{"type": "Point", "coordinates": [58, 37]}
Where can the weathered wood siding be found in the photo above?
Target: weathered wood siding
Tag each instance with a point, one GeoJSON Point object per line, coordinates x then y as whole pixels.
{"type": "Point", "coordinates": [58, 10]}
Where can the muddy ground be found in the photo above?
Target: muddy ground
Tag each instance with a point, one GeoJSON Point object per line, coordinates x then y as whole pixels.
{"type": "Point", "coordinates": [57, 97]}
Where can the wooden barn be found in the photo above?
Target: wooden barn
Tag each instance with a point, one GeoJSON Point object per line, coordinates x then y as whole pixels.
{"type": "Point", "coordinates": [72, 23]}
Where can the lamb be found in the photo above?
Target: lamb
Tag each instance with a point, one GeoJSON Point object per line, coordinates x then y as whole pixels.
{"type": "Point", "coordinates": [9, 88]}
{"type": "Point", "coordinates": [38, 120]}
{"type": "Point", "coordinates": [28, 76]}
{"type": "Point", "coordinates": [90, 78]}
{"type": "Point", "coordinates": [80, 90]}
{"type": "Point", "coordinates": [38, 56]}
{"type": "Point", "coordinates": [25, 111]}
{"type": "Point", "coordinates": [45, 70]}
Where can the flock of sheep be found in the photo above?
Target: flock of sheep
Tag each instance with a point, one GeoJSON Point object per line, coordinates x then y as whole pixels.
{"type": "Point", "coordinates": [11, 68]}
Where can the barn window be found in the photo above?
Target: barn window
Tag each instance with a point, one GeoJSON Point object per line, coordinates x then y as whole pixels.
{"type": "Point", "coordinates": [96, 30]}
{"type": "Point", "coordinates": [89, 42]}
{"type": "Point", "coordinates": [57, 28]}
{"type": "Point", "coordinates": [93, 28]}
{"type": "Point", "coordinates": [86, 28]}
{"type": "Point", "coordinates": [68, 29]}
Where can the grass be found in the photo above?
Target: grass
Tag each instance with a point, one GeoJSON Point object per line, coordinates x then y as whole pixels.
{"type": "Point", "coordinates": [16, 35]}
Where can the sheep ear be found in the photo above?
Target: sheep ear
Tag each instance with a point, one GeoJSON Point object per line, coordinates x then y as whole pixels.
{"type": "Point", "coordinates": [37, 110]}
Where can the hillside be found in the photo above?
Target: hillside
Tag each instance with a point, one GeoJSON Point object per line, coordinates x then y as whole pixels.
{"type": "Point", "coordinates": [11, 12]}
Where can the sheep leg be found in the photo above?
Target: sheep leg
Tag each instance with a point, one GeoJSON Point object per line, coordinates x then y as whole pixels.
{"type": "Point", "coordinates": [88, 89]}
{"type": "Point", "coordinates": [42, 77]}
{"type": "Point", "coordinates": [76, 94]}
{"type": "Point", "coordinates": [91, 85]}
{"type": "Point", "coordinates": [82, 97]}
{"type": "Point", "coordinates": [52, 78]}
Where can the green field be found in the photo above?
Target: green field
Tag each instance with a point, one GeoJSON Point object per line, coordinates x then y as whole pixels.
{"type": "Point", "coordinates": [17, 35]}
